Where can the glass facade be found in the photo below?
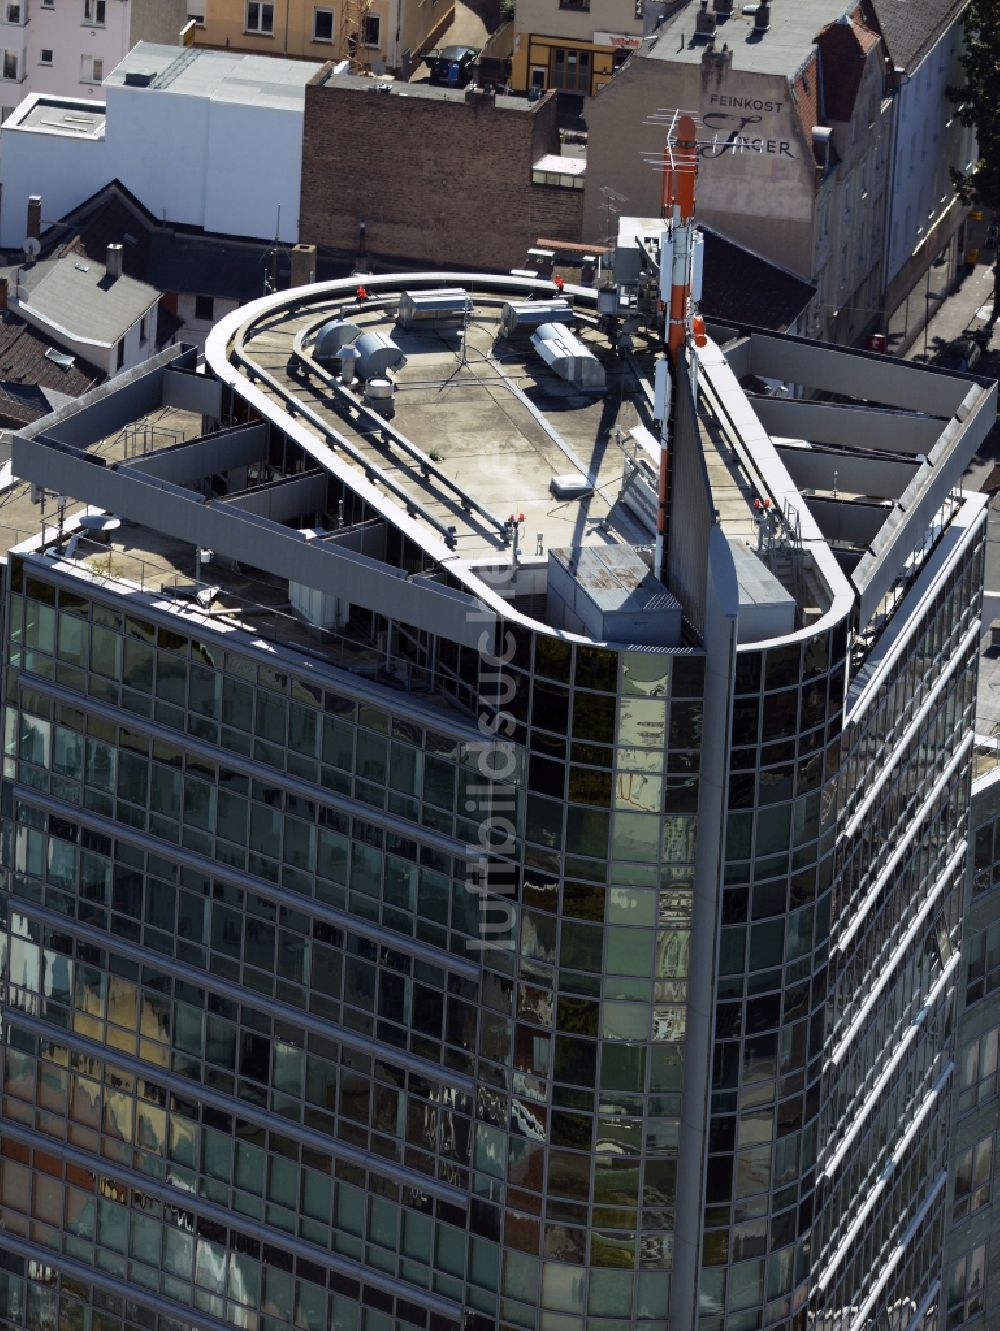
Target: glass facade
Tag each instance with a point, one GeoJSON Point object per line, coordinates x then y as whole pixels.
{"type": "Point", "coordinates": [973, 1238]}
{"type": "Point", "coordinates": [262, 1057]}
{"type": "Point", "coordinates": [339, 1007]}
{"type": "Point", "coordinates": [896, 936]}
{"type": "Point", "coordinates": [772, 981]}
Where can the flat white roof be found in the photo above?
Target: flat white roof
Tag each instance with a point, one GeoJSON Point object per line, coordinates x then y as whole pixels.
{"type": "Point", "coordinates": [68, 116]}
{"type": "Point", "coordinates": [562, 166]}
{"type": "Point", "coordinates": [225, 76]}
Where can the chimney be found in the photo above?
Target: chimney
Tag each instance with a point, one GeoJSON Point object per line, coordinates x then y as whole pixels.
{"type": "Point", "coordinates": [34, 230]}
{"type": "Point", "coordinates": [821, 137]}
{"type": "Point", "coordinates": [762, 18]}
{"type": "Point", "coordinates": [303, 265]}
{"type": "Point", "coordinates": [723, 8]}
{"type": "Point", "coordinates": [113, 260]}
{"type": "Point", "coordinates": [3, 295]}
{"type": "Point", "coordinates": [704, 24]}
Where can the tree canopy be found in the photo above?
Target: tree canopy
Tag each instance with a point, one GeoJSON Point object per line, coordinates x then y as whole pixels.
{"type": "Point", "coordinates": [979, 108]}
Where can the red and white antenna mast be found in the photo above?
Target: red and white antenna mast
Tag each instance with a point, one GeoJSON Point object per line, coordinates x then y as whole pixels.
{"type": "Point", "coordinates": [680, 171]}
{"type": "Point", "coordinates": [677, 256]}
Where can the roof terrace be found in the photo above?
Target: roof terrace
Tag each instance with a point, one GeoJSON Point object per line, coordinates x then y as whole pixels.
{"type": "Point", "coordinates": [476, 468]}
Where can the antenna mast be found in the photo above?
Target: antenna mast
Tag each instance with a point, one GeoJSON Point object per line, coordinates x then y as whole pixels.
{"type": "Point", "coordinates": [677, 251]}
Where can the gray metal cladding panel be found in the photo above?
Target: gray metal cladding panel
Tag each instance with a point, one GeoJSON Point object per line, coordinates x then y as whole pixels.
{"type": "Point", "coordinates": [857, 374]}
{"type": "Point", "coordinates": [690, 506]}
{"type": "Point", "coordinates": [205, 457]}
{"type": "Point", "coordinates": [851, 427]}
{"type": "Point", "coordinates": [193, 392]}
{"type": "Point", "coordinates": [252, 540]}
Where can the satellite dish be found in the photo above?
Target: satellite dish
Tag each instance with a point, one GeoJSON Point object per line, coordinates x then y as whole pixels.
{"type": "Point", "coordinates": [32, 248]}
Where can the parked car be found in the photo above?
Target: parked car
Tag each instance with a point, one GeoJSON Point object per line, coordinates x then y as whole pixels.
{"type": "Point", "coordinates": [453, 66]}
{"type": "Point", "coordinates": [963, 353]}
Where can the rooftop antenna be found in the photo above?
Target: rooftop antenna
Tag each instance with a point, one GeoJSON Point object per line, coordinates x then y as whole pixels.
{"type": "Point", "coordinates": [612, 200]}
{"type": "Point", "coordinates": [274, 251]}
{"type": "Point", "coordinates": [680, 169]}
{"type": "Point", "coordinates": [677, 282]}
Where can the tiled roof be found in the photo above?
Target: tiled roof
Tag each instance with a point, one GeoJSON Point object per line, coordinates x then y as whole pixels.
{"type": "Point", "coordinates": [843, 50]}
{"type": "Point", "coordinates": [742, 287]}
{"type": "Point", "coordinates": [79, 299]}
{"type": "Point", "coordinates": [168, 258]}
{"type": "Point", "coordinates": [112, 219]}
{"type": "Point", "coordinates": [805, 94]}
{"type": "Point", "coordinates": [910, 29]}
{"type": "Point", "coordinates": [23, 362]}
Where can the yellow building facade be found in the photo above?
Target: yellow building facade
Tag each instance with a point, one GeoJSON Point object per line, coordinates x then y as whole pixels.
{"type": "Point", "coordinates": [365, 30]}
{"type": "Point", "coordinates": [575, 47]}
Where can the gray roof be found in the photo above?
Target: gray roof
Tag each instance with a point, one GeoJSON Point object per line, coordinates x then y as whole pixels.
{"type": "Point", "coordinates": [782, 50]}
{"type": "Point", "coordinates": [428, 92]}
{"type": "Point", "coordinates": [77, 297]}
{"type": "Point", "coordinates": [61, 115]}
{"type": "Point", "coordinates": [222, 76]}
{"type": "Point", "coordinates": [911, 27]}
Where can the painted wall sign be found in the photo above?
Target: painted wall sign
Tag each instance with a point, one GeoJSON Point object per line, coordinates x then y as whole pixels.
{"type": "Point", "coordinates": [619, 41]}
{"type": "Point", "coordinates": [744, 103]}
{"type": "Point", "coordinates": [733, 127]}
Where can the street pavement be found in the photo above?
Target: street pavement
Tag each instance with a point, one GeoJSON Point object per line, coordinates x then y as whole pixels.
{"type": "Point", "coordinates": [966, 311]}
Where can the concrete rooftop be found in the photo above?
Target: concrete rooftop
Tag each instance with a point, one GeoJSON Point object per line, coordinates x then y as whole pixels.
{"type": "Point", "coordinates": [781, 50]}
{"type": "Point", "coordinates": [428, 92]}
{"type": "Point", "coordinates": [488, 412]}
{"type": "Point", "coordinates": [409, 512]}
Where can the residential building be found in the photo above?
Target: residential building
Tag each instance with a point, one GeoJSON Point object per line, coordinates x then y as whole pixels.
{"type": "Point", "coordinates": [92, 310]}
{"type": "Point", "coordinates": [794, 136]}
{"type": "Point", "coordinates": [416, 913]}
{"type": "Point", "coordinates": [65, 47]}
{"type": "Point", "coordinates": [925, 237]}
{"type": "Point", "coordinates": [416, 203]}
{"type": "Point", "coordinates": [36, 375]}
{"type": "Point", "coordinates": [202, 276]}
{"type": "Point", "coordinates": [379, 35]}
{"type": "Point", "coordinates": [572, 46]}
{"type": "Point", "coordinates": [190, 133]}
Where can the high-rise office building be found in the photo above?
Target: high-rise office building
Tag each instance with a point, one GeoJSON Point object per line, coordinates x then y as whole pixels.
{"type": "Point", "coordinates": [973, 1214]}
{"type": "Point", "coordinates": [419, 915]}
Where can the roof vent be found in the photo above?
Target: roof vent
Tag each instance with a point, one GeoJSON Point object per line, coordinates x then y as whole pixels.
{"type": "Point", "coordinates": [60, 358]}
{"type": "Point", "coordinates": [704, 25]}
{"type": "Point", "coordinates": [821, 137]}
{"type": "Point", "coordinates": [34, 227]}
{"type": "Point", "coordinates": [820, 144]}
{"type": "Point", "coordinates": [571, 485]}
{"type": "Point", "coordinates": [723, 8]}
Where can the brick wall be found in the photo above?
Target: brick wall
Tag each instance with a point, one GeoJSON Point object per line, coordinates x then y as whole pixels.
{"type": "Point", "coordinates": [444, 181]}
